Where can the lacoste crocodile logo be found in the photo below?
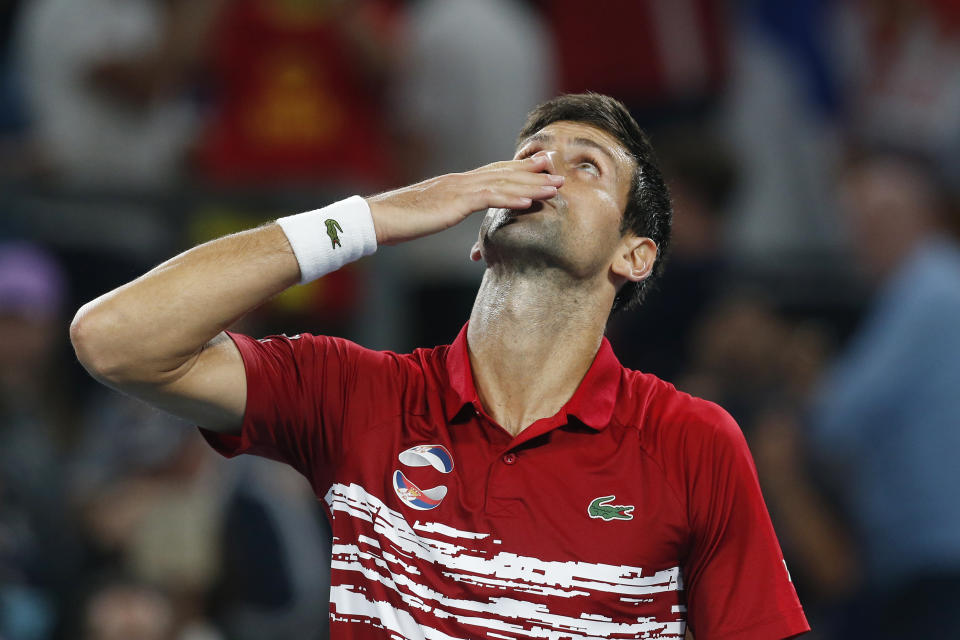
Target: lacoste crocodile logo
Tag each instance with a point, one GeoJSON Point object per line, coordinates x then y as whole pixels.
{"type": "Point", "coordinates": [600, 509]}
{"type": "Point", "coordinates": [332, 228]}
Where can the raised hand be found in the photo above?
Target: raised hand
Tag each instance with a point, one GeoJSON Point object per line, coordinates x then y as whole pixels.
{"type": "Point", "coordinates": [439, 203]}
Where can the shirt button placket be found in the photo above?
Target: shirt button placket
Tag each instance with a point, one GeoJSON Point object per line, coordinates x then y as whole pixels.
{"type": "Point", "coordinates": [502, 485]}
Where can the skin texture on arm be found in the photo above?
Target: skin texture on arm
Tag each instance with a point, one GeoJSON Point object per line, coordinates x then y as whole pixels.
{"type": "Point", "coordinates": [160, 337]}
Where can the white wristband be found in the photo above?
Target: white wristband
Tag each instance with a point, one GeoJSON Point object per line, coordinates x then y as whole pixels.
{"type": "Point", "coordinates": [323, 240]}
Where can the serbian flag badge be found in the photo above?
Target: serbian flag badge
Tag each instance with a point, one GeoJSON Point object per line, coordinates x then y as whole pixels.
{"type": "Point", "coordinates": [414, 496]}
{"type": "Point", "coordinates": [422, 455]}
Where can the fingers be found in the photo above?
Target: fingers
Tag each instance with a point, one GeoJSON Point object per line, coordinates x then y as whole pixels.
{"type": "Point", "coordinates": [541, 162]}
{"type": "Point", "coordinates": [507, 172]}
{"type": "Point", "coordinates": [526, 177]}
{"type": "Point", "coordinates": [513, 195]}
{"type": "Point", "coordinates": [511, 184]}
{"type": "Point", "coordinates": [534, 164]}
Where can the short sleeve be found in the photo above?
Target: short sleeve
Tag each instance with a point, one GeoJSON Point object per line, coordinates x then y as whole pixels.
{"type": "Point", "coordinates": [303, 393]}
{"type": "Point", "coordinates": [736, 579]}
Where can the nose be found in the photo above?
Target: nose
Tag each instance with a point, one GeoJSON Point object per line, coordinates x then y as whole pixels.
{"type": "Point", "coordinates": [551, 157]}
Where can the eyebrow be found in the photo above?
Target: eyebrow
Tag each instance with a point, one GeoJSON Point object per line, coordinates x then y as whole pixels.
{"type": "Point", "coordinates": [546, 138]}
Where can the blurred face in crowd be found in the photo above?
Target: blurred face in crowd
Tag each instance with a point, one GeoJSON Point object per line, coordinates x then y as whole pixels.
{"type": "Point", "coordinates": [27, 343]}
{"type": "Point", "coordinates": [31, 292]}
{"type": "Point", "coordinates": [124, 612]}
{"type": "Point", "coordinates": [578, 230]}
{"type": "Point", "coordinates": [889, 206]}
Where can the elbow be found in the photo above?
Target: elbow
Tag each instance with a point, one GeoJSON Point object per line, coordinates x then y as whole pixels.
{"type": "Point", "coordinates": [94, 342]}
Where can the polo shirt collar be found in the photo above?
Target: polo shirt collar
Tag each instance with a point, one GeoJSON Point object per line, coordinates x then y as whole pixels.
{"type": "Point", "coordinates": [592, 403]}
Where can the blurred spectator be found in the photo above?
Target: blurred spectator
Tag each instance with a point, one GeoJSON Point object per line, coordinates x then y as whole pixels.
{"type": "Point", "coordinates": [900, 61]}
{"type": "Point", "coordinates": [461, 96]}
{"type": "Point", "coordinates": [630, 50]}
{"type": "Point", "coordinates": [105, 82]}
{"type": "Point", "coordinates": [16, 153]}
{"type": "Point", "coordinates": [276, 557]}
{"type": "Point", "coordinates": [248, 546]}
{"type": "Point", "coordinates": [463, 93]}
{"type": "Point", "coordinates": [127, 609]}
{"type": "Point", "coordinates": [151, 500]}
{"type": "Point", "coordinates": [800, 34]}
{"type": "Point", "coordinates": [122, 438]}
{"type": "Point", "coordinates": [124, 610]}
{"type": "Point", "coordinates": [35, 543]}
{"type": "Point", "coordinates": [703, 177]}
{"type": "Point", "coordinates": [754, 359]}
{"type": "Point", "coordinates": [763, 368]}
{"type": "Point", "coordinates": [777, 112]}
{"type": "Point", "coordinates": [299, 89]}
{"type": "Point", "coordinates": [313, 91]}
{"type": "Point", "coordinates": [11, 108]}
{"type": "Point", "coordinates": [888, 413]}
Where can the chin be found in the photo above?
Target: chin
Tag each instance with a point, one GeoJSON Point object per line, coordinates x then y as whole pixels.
{"type": "Point", "coordinates": [524, 244]}
{"type": "Point", "coordinates": [499, 219]}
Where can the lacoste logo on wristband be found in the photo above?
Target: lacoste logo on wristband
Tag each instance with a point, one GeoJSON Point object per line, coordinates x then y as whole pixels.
{"type": "Point", "coordinates": [600, 509]}
{"type": "Point", "coordinates": [332, 228]}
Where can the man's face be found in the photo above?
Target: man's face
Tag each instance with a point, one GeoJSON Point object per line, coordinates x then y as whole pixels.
{"type": "Point", "coordinates": [577, 231]}
{"type": "Point", "coordinates": [887, 206]}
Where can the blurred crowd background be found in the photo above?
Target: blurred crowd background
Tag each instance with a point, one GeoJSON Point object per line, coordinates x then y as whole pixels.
{"type": "Point", "coordinates": [813, 289]}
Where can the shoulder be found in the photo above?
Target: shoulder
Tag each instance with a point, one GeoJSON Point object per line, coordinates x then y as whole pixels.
{"type": "Point", "coordinates": [652, 403]}
{"type": "Point", "coordinates": [674, 425]}
{"type": "Point", "coordinates": [928, 279]}
{"type": "Point", "coordinates": [306, 351]}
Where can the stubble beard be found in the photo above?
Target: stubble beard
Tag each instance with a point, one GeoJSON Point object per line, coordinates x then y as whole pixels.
{"type": "Point", "coordinates": [524, 246]}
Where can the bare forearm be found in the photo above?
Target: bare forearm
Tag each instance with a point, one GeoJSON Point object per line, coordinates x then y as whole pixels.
{"type": "Point", "coordinates": [146, 330]}
{"type": "Point", "coordinates": [154, 337]}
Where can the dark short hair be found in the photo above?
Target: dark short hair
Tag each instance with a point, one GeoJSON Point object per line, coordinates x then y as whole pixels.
{"type": "Point", "coordinates": [648, 213]}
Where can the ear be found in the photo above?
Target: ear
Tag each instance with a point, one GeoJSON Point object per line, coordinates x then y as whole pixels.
{"type": "Point", "coordinates": [475, 254]}
{"type": "Point", "coordinates": [635, 258]}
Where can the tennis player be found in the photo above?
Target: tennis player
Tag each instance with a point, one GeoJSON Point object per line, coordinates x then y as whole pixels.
{"type": "Point", "coordinates": [517, 483]}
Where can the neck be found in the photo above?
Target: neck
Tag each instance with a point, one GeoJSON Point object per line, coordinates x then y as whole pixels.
{"type": "Point", "coordinates": [531, 341]}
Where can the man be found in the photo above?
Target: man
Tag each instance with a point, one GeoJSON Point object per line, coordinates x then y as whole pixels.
{"type": "Point", "coordinates": [107, 86]}
{"type": "Point", "coordinates": [886, 414]}
{"type": "Point", "coordinates": [517, 483]}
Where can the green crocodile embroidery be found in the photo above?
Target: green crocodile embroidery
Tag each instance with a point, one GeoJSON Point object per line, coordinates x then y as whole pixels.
{"type": "Point", "coordinates": [332, 228]}
{"type": "Point", "coordinates": [600, 509]}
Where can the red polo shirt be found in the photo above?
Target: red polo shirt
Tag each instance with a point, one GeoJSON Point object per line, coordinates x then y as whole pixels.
{"type": "Point", "coordinates": [634, 510]}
